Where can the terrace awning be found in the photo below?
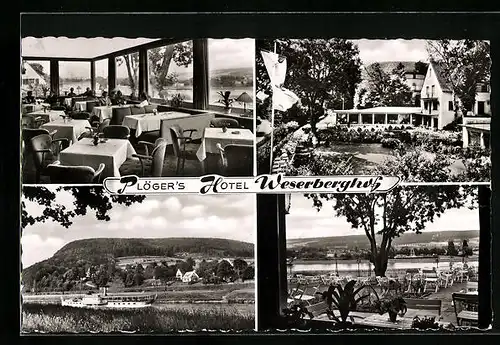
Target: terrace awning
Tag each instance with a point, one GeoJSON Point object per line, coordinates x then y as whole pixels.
{"type": "Point", "coordinates": [382, 110]}
{"type": "Point", "coordinates": [482, 127]}
{"type": "Point", "coordinates": [75, 48]}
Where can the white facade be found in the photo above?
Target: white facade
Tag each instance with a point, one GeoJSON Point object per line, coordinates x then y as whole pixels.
{"type": "Point", "coordinates": [436, 101]}
{"type": "Point", "coordinates": [31, 77]}
{"type": "Point", "coordinates": [190, 277]}
{"type": "Point", "coordinates": [179, 275]}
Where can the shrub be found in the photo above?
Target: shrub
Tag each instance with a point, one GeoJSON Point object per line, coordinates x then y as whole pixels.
{"type": "Point", "coordinates": [391, 143]}
{"type": "Point", "coordinates": [424, 323]}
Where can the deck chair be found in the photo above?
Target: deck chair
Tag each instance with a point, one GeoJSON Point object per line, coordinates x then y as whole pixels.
{"type": "Point", "coordinates": [431, 279]}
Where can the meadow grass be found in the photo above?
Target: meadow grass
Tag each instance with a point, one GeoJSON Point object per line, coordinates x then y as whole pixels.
{"type": "Point", "coordinates": [52, 318]}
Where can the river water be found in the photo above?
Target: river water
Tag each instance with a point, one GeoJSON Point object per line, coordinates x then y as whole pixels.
{"type": "Point", "coordinates": [365, 266]}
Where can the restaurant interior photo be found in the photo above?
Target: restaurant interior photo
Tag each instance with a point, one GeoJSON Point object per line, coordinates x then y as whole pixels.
{"type": "Point", "coordinates": [93, 108]}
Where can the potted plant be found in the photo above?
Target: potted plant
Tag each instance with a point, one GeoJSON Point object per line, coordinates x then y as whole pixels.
{"type": "Point", "coordinates": [226, 100]}
{"type": "Point", "coordinates": [176, 101]}
{"type": "Point", "coordinates": [295, 314]}
{"type": "Point", "coordinates": [344, 299]}
{"type": "Point", "coordinates": [393, 305]}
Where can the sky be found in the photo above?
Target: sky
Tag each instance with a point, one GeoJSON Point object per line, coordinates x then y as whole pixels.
{"type": "Point", "coordinates": [221, 216]}
{"type": "Point", "coordinates": [223, 53]}
{"type": "Point", "coordinates": [304, 221]}
{"type": "Point", "coordinates": [392, 50]}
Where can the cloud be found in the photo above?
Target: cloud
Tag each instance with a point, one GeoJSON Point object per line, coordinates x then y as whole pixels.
{"type": "Point", "coordinates": [392, 50]}
{"type": "Point", "coordinates": [193, 211]}
{"type": "Point", "coordinates": [35, 247]}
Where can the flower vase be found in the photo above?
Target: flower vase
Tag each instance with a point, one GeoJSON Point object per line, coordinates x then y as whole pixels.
{"type": "Point", "coordinates": [224, 129]}
{"type": "Point", "coordinates": [393, 316]}
{"type": "Point", "coordinates": [96, 140]}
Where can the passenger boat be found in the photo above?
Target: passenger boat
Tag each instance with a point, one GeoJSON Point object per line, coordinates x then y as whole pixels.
{"type": "Point", "coordinates": [110, 301]}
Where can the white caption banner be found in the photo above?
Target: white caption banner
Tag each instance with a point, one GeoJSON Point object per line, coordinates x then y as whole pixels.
{"type": "Point", "coordinates": [270, 184]}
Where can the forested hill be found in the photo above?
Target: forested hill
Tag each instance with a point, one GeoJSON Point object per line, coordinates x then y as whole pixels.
{"type": "Point", "coordinates": [117, 247]}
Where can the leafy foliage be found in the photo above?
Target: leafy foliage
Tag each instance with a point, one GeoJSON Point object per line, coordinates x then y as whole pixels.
{"type": "Point", "coordinates": [386, 89]}
{"type": "Point", "coordinates": [387, 216]}
{"type": "Point", "coordinates": [321, 72]}
{"type": "Point", "coordinates": [465, 64]}
{"type": "Point", "coordinates": [344, 299]}
{"type": "Point", "coordinates": [424, 323]}
{"type": "Point", "coordinates": [85, 199]}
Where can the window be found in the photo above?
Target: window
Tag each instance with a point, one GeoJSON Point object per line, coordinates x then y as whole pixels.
{"type": "Point", "coordinates": [127, 74]}
{"type": "Point", "coordinates": [170, 71]}
{"type": "Point", "coordinates": [101, 76]}
{"type": "Point", "coordinates": [74, 75]}
{"type": "Point", "coordinates": [231, 63]}
{"type": "Point", "coordinates": [433, 88]}
{"type": "Point", "coordinates": [379, 119]}
{"type": "Point", "coordinates": [434, 105]}
{"type": "Point", "coordinates": [414, 87]}
{"type": "Point", "coordinates": [450, 106]}
{"type": "Point", "coordinates": [427, 91]}
{"type": "Point", "coordinates": [367, 118]}
{"type": "Point", "coordinates": [36, 77]}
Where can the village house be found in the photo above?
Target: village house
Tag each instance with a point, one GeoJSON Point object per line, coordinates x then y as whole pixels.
{"type": "Point", "coordinates": [30, 77]}
{"type": "Point", "coordinates": [436, 110]}
{"type": "Point", "coordinates": [179, 274]}
{"type": "Point", "coordinates": [190, 277]}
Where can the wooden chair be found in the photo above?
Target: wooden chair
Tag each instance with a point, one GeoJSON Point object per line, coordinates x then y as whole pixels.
{"type": "Point", "coordinates": [119, 114]}
{"type": "Point", "coordinates": [116, 132]}
{"type": "Point", "coordinates": [97, 128]}
{"type": "Point", "coordinates": [466, 308]}
{"type": "Point", "coordinates": [419, 304]}
{"type": "Point", "coordinates": [222, 122]}
{"type": "Point", "coordinates": [318, 309]}
{"type": "Point", "coordinates": [44, 153]}
{"type": "Point", "coordinates": [137, 110]}
{"type": "Point", "coordinates": [80, 115]}
{"type": "Point", "coordinates": [236, 160]}
{"type": "Point", "coordinates": [157, 157]}
{"type": "Point", "coordinates": [27, 134]}
{"type": "Point", "coordinates": [62, 174]}
{"type": "Point", "coordinates": [28, 121]}
{"type": "Point", "coordinates": [179, 141]}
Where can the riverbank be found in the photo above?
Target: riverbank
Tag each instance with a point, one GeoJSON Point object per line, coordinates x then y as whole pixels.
{"type": "Point", "coordinates": [51, 318]}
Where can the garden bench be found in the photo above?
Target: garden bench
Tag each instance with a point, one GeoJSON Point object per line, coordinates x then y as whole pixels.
{"type": "Point", "coordinates": [466, 306]}
{"type": "Point", "coordinates": [418, 305]}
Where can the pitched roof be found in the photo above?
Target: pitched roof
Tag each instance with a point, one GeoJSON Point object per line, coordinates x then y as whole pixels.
{"type": "Point", "coordinates": [190, 274]}
{"type": "Point", "coordinates": [388, 66]}
{"type": "Point", "coordinates": [438, 70]}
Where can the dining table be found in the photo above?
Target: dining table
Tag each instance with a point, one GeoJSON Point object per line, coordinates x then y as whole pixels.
{"type": "Point", "coordinates": [162, 121]}
{"type": "Point", "coordinates": [213, 136]}
{"type": "Point", "coordinates": [81, 105]}
{"type": "Point", "coordinates": [48, 115]}
{"type": "Point", "coordinates": [104, 112]}
{"type": "Point", "coordinates": [67, 128]}
{"type": "Point", "coordinates": [112, 152]}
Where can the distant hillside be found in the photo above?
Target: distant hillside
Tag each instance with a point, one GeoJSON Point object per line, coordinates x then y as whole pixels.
{"type": "Point", "coordinates": [75, 258]}
{"type": "Point", "coordinates": [361, 241]}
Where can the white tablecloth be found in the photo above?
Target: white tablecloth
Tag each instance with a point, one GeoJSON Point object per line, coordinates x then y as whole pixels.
{"type": "Point", "coordinates": [49, 115]}
{"type": "Point", "coordinates": [212, 136]}
{"type": "Point", "coordinates": [68, 101]}
{"type": "Point", "coordinates": [81, 106]}
{"type": "Point", "coordinates": [186, 121]}
{"type": "Point", "coordinates": [29, 108]}
{"type": "Point", "coordinates": [112, 153]}
{"type": "Point", "coordinates": [150, 122]}
{"type": "Point", "coordinates": [70, 129]}
{"type": "Point", "coordinates": [105, 112]}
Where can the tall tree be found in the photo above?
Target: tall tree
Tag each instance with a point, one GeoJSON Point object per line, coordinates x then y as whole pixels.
{"type": "Point", "coordinates": [384, 217]}
{"type": "Point", "coordinates": [239, 266]}
{"type": "Point", "coordinates": [388, 89]}
{"type": "Point", "coordinates": [452, 250]}
{"type": "Point", "coordinates": [224, 269]}
{"type": "Point", "coordinates": [464, 64]}
{"type": "Point", "coordinates": [322, 72]}
{"type": "Point", "coordinates": [85, 199]}
{"type": "Point", "coordinates": [159, 62]}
